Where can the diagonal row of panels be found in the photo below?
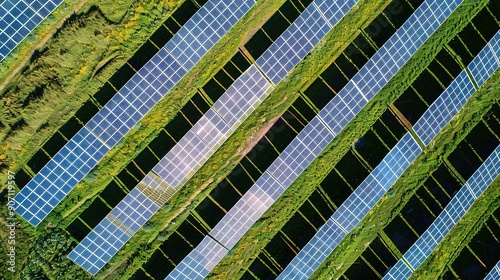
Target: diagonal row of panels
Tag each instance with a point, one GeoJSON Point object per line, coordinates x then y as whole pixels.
{"type": "Point", "coordinates": [19, 18]}
{"type": "Point", "coordinates": [371, 190]}
{"type": "Point", "coordinates": [151, 83]}
{"type": "Point", "coordinates": [318, 134]}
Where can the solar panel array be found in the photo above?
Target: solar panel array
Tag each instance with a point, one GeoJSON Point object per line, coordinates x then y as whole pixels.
{"type": "Point", "coordinates": [19, 18]}
{"type": "Point", "coordinates": [153, 81]}
{"type": "Point", "coordinates": [494, 274]}
{"type": "Point", "coordinates": [190, 153]}
{"type": "Point", "coordinates": [336, 114]}
{"type": "Point", "coordinates": [457, 94]}
{"type": "Point", "coordinates": [440, 112]}
{"type": "Point", "coordinates": [452, 213]}
{"type": "Point", "coordinates": [355, 208]}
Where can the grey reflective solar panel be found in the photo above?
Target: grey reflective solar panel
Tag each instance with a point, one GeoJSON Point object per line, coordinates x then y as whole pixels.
{"type": "Point", "coordinates": [183, 159]}
{"type": "Point", "coordinates": [200, 261]}
{"type": "Point", "coordinates": [102, 243]}
{"type": "Point", "coordinates": [19, 18]}
{"type": "Point", "coordinates": [153, 81]}
{"type": "Point", "coordinates": [99, 246]}
{"type": "Point", "coordinates": [242, 97]}
{"type": "Point", "coordinates": [494, 274]}
{"type": "Point", "coordinates": [196, 146]}
{"type": "Point", "coordinates": [56, 179]}
{"type": "Point", "coordinates": [452, 213]}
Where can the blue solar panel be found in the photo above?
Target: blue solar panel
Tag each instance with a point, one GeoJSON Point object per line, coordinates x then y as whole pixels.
{"type": "Point", "coordinates": [452, 213]}
{"type": "Point", "coordinates": [486, 62]}
{"type": "Point", "coordinates": [113, 121]}
{"type": "Point", "coordinates": [102, 243]}
{"type": "Point", "coordinates": [200, 33]}
{"type": "Point", "coordinates": [399, 271]}
{"type": "Point", "coordinates": [494, 274]}
{"type": "Point", "coordinates": [56, 179]}
{"type": "Point", "coordinates": [19, 18]}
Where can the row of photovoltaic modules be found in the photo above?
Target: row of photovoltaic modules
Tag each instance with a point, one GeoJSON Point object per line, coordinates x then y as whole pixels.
{"type": "Point", "coordinates": [481, 68]}
{"type": "Point", "coordinates": [153, 81]}
{"type": "Point", "coordinates": [19, 18]}
{"type": "Point", "coordinates": [199, 143]}
{"type": "Point", "coordinates": [371, 190]}
{"type": "Point", "coordinates": [315, 137]}
{"type": "Point", "coordinates": [494, 273]}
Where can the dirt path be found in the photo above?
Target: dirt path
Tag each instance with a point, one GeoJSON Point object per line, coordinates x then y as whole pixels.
{"type": "Point", "coordinates": [40, 44]}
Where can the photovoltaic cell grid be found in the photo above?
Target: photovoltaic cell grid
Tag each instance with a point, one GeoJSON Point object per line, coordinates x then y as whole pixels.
{"type": "Point", "coordinates": [452, 213]}
{"type": "Point", "coordinates": [356, 206]}
{"type": "Point", "coordinates": [301, 37]}
{"type": "Point", "coordinates": [205, 28]}
{"type": "Point", "coordinates": [456, 95]}
{"type": "Point", "coordinates": [57, 178]}
{"type": "Point", "coordinates": [102, 243]}
{"type": "Point", "coordinates": [191, 152]}
{"type": "Point", "coordinates": [494, 274]}
{"type": "Point", "coordinates": [19, 18]}
{"type": "Point", "coordinates": [119, 115]}
{"type": "Point", "coordinates": [200, 261]}
{"type": "Point", "coordinates": [336, 124]}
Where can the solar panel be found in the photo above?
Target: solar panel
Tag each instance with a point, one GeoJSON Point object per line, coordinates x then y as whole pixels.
{"type": "Point", "coordinates": [494, 274]}
{"type": "Point", "coordinates": [57, 178]}
{"type": "Point", "coordinates": [102, 243]}
{"type": "Point", "coordinates": [486, 62]}
{"type": "Point", "coordinates": [200, 261]}
{"type": "Point", "coordinates": [19, 18]}
{"type": "Point", "coordinates": [204, 29]}
{"type": "Point", "coordinates": [392, 166]}
{"type": "Point", "coordinates": [456, 95]}
{"type": "Point", "coordinates": [452, 213]}
{"type": "Point", "coordinates": [301, 37]}
{"type": "Point", "coordinates": [153, 81]}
